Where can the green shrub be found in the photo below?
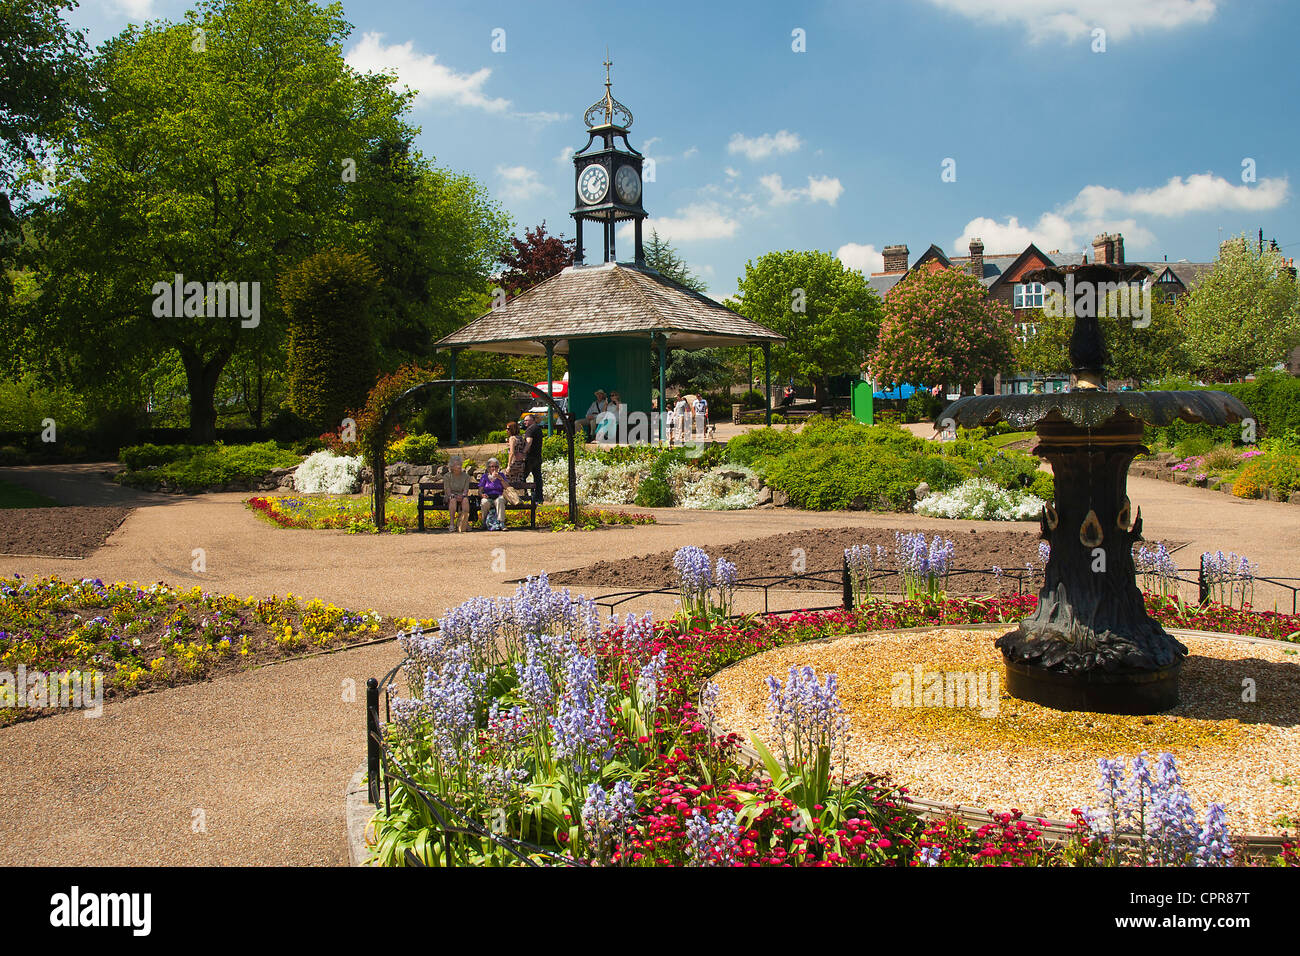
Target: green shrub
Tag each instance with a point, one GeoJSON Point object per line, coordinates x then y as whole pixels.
{"type": "Point", "coordinates": [332, 360]}
{"type": "Point", "coordinates": [148, 456]}
{"type": "Point", "coordinates": [12, 455]}
{"type": "Point", "coordinates": [748, 447]}
{"type": "Point", "coordinates": [496, 437]}
{"type": "Point", "coordinates": [1043, 486]}
{"type": "Point", "coordinates": [417, 450]}
{"type": "Point", "coordinates": [654, 492]}
{"type": "Point", "coordinates": [753, 399]}
{"type": "Point", "coordinates": [210, 465]}
{"type": "Point", "coordinates": [1193, 445]}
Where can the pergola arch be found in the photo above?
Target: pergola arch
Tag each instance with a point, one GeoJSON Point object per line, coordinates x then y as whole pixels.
{"type": "Point", "coordinates": [379, 440]}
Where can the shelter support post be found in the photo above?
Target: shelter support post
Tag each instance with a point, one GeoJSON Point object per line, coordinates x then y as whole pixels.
{"type": "Point", "coordinates": [550, 384]}
{"type": "Point", "coordinates": [767, 379]}
{"type": "Point", "coordinates": [663, 392]}
{"type": "Point", "coordinates": [453, 397]}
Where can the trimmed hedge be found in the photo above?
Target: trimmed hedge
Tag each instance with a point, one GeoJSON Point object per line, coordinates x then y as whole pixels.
{"type": "Point", "coordinates": [332, 357]}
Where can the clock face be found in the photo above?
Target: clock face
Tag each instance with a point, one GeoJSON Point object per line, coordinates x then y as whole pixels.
{"type": "Point", "coordinates": [593, 183]}
{"type": "Point", "coordinates": [627, 184]}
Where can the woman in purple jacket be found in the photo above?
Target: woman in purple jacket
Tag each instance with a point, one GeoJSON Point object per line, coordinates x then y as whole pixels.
{"type": "Point", "coordinates": [492, 489]}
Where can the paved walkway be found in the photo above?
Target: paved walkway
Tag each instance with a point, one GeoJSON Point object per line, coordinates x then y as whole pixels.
{"type": "Point", "coordinates": [266, 755]}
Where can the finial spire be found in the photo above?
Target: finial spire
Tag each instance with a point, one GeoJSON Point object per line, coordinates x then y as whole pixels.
{"type": "Point", "coordinates": [608, 111]}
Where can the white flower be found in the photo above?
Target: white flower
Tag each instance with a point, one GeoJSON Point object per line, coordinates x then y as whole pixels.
{"type": "Point", "coordinates": [981, 499]}
{"type": "Point", "coordinates": [325, 472]}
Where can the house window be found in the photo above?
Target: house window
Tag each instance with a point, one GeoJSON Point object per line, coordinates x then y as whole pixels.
{"type": "Point", "coordinates": [1026, 331]}
{"type": "Point", "coordinates": [1027, 295]}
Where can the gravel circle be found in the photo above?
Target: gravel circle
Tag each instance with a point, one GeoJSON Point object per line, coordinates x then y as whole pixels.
{"type": "Point", "coordinates": [1245, 755]}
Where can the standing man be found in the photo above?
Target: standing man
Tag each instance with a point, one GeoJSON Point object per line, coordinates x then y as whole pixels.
{"type": "Point", "coordinates": [533, 454]}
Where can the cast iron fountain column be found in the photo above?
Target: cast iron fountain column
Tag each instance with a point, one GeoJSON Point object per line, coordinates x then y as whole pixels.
{"type": "Point", "coordinates": [1090, 644]}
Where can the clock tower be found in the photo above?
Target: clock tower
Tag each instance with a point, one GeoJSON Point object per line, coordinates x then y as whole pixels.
{"type": "Point", "coordinates": [607, 177]}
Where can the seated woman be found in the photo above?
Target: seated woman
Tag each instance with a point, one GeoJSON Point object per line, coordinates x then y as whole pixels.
{"type": "Point", "coordinates": [455, 485]}
{"type": "Point", "coordinates": [492, 502]}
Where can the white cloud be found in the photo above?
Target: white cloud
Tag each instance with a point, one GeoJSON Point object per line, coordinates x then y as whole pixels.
{"type": "Point", "coordinates": [1097, 209]}
{"type": "Point", "coordinates": [1200, 192]}
{"type": "Point", "coordinates": [565, 157]}
{"type": "Point", "coordinates": [731, 173]}
{"type": "Point", "coordinates": [143, 9]}
{"type": "Point", "coordinates": [691, 151]}
{"type": "Point", "coordinates": [825, 189]}
{"type": "Point", "coordinates": [864, 258]}
{"type": "Point", "coordinates": [520, 183]}
{"type": "Point", "coordinates": [1075, 19]}
{"type": "Point", "coordinates": [430, 80]}
{"type": "Point", "coordinates": [694, 222]}
{"type": "Point", "coordinates": [761, 147]}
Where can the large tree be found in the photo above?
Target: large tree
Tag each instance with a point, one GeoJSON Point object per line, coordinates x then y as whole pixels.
{"type": "Point", "coordinates": [225, 148]}
{"type": "Point", "coordinates": [44, 88]}
{"type": "Point", "coordinates": [828, 314]}
{"type": "Point", "coordinates": [941, 327]}
{"type": "Point", "coordinates": [1142, 352]}
{"type": "Point", "coordinates": [1244, 316]}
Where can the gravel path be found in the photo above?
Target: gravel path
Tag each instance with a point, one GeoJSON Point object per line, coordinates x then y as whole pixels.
{"type": "Point", "coordinates": [267, 754]}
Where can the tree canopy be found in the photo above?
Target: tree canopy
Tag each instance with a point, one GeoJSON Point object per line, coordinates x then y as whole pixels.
{"type": "Point", "coordinates": [1244, 316]}
{"type": "Point", "coordinates": [534, 259]}
{"type": "Point", "coordinates": [941, 327]}
{"type": "Point", "coordinates": [828, 313]}
{"type": "Point", "coordinates": [226, 148]}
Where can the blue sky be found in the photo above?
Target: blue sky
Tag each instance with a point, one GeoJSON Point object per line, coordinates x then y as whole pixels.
{"type": "Point", "coordinates": [841, 147]}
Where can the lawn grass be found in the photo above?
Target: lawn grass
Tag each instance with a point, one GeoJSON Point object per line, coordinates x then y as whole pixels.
{"type": "Point", "coordinates": [1001, 441]}
{"type": "Point", "coordinates": [16, 496]}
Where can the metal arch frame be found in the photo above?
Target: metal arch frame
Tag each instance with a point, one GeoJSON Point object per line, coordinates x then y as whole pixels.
{"type": "Point", "coordinates": [378, 452]}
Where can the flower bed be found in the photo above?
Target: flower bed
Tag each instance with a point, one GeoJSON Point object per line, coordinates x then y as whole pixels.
{"type": "Point", "coordinates": [547, 734]}
{"type": "Point", "coordinates": [141, 638]}
{"type": "Point", "coordinates": [353, 515]}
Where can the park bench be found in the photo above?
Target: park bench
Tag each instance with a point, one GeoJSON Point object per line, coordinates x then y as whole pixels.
{"type": "Point", "coordinates": [431, 496]}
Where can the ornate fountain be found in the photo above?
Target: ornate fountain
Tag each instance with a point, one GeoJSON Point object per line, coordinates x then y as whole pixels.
{"type": "Point", "coordinates": [1090, 644]}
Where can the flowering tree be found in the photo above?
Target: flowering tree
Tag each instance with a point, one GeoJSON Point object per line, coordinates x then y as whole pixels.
{"type": "Point", "coordinates": [940, 327]}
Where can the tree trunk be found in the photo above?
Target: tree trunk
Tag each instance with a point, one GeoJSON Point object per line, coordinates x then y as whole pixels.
{"type": "Point", "coordinates": [201, 379]}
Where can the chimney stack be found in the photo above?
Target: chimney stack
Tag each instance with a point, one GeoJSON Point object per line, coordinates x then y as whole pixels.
{"type": "Point", "coordinates": [895, 258]}
{"type": "Point", "coordinates": [977, 258]}
{"type": "Point", "coordinates": [1119, 248]}
{"type": "Point", "coordinates": [1103, 249]}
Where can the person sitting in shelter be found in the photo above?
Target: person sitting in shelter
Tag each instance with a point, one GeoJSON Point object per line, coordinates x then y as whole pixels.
{"type": "Point", "coordinates": [492, 500]}
{"type": "Point", "coordinates": [455, 487]}
{"type": "Point", "coordinates": [594, 411]}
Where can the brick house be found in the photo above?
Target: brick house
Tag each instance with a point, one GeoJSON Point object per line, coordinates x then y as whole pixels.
{"type": "Point", "coordinates": [1001, 273]}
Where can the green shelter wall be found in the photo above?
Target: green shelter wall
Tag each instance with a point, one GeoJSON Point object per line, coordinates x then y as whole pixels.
{"type": "Point", "coordinates": [616, 364]}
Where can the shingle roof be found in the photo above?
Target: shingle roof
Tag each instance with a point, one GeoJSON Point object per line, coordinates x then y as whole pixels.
{"type": "Point", "coordinates": [607, 299]}
{"type": "Point", "coordinates": [1188, 273]}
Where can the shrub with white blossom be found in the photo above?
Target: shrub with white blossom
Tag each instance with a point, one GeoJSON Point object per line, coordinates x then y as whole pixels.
{"type": "Point", "coordinates": [981, 499]}
{"type": "Point", "coordinates": [326, 473]}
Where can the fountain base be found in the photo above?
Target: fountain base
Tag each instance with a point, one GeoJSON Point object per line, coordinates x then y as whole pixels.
{"type": "Point", "coordinates": [1129, 692]}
